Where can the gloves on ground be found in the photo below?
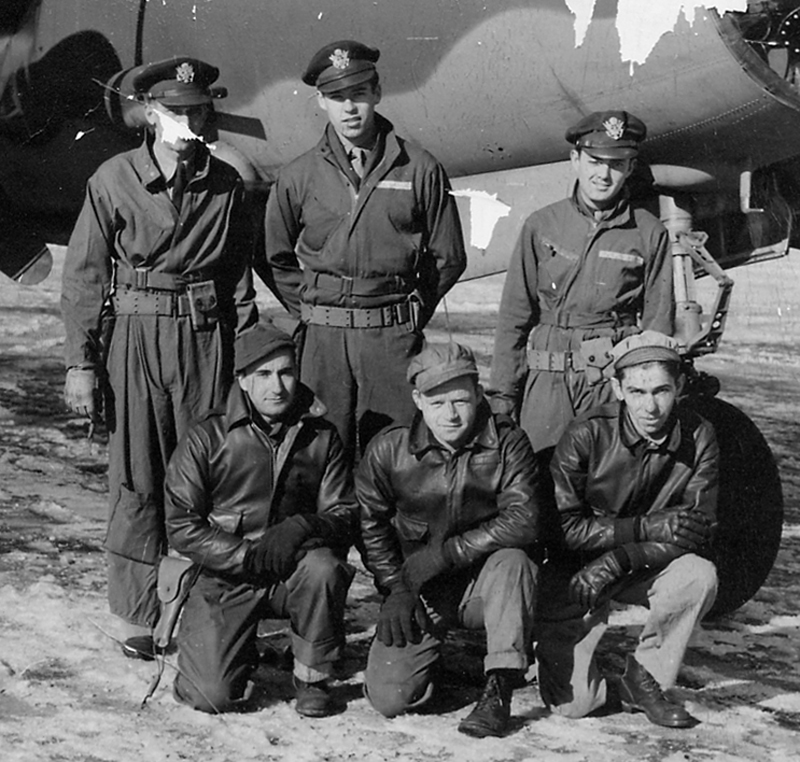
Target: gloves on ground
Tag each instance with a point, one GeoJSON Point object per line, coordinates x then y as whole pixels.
{"type": "Point", "coordinates": [274, 556]}
{"type": "Point", "coordinates": [587, 586]}
{"type": "Point", "coordinates": [79, 391]}
{"type": "Point", "coordinates": [402, 619]}
{"type": "Point", "coordinates": [687, 529]}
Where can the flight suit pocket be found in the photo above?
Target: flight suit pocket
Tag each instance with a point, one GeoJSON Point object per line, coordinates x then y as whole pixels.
{"type": "Point", "coordinates": [136, 527]}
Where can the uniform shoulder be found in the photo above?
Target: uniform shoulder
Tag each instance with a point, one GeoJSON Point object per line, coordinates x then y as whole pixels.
{"type": "Point", "coordinates": [646, 220]}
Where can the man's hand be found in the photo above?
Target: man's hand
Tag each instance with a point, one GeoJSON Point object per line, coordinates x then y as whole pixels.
{"type": "Point", "coordinates": [274, 556]}
{"type": "Point", "coordinates": [687, 529]}
{"type": "Point", "coordinates": [402, 619]}
{"type": "Point", "coordinates": [502, 404]}
{"type": "Point", "coordinates": [424, 565]}
{"type": "Point", "coordinates": [79, 391]}
{"type": "Point", "coordinates": [586, 587]}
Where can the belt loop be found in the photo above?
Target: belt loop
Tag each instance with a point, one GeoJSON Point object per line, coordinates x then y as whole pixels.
{"type": "Point", "coordinates": [347, 285]}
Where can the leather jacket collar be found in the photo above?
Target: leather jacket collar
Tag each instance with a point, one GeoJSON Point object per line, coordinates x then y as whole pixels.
{"type": "Point", "coordinates": [631, 437]}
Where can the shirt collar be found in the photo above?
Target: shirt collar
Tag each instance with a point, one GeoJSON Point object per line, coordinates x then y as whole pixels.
{"type": "Point", "coordinates": [615, 215]}
{"type": "Point", "coordinates": [147, 167]}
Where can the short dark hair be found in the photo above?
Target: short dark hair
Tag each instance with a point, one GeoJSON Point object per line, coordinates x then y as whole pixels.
{"type": "Point", "coordinates": [675, 369]}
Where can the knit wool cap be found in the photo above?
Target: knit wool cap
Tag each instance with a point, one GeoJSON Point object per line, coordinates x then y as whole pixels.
{"type": "Point", "coordinates": [256, 344]}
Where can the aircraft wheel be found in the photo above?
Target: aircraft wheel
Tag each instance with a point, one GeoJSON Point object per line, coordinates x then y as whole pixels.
{"type": "Point", "coordinates": [750, 510]}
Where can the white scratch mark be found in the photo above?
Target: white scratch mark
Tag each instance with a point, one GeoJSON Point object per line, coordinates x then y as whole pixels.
{"type": "Point", "coordinates": [641, 25]}
{"type": "Point", "coordinates": [173, 130]}
{"type": "Point", "coordinates": [485, 211]}
{"type": "Point", "coordinates": [583, 10]}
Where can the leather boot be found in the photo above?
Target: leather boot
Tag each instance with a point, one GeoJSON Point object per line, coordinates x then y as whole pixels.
{"type": "Point", "coordinates": [312, 699]}
{"type": "Point", "coordinates": [493, 710]}
{"type": "Point", "coordinates": [638, 690]}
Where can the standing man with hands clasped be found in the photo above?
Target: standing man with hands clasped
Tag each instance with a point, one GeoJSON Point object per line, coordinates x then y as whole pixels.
{"type": "Point", "coordinates": [636, 485]}
{"type": "Point", "coordinates": [159, 253]}
{"type": "Point", "coordinates": [363, 239]}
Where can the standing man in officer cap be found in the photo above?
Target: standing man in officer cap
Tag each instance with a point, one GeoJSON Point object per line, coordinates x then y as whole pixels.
{"type": "Point", "coordinates": [586, 272]}
{"type": "Point", "coordinates": [636, 485]}
{"type": "Point", "coordinates": [363, 239]}
{"type": "Point", "coordinates": [158, 250]}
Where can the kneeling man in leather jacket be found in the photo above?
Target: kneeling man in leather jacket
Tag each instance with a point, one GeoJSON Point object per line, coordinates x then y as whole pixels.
{"type": "Point", "coordinates": [259, 495]}
{"type": "Point", "coordinates": [636, 486]}
{"type": "Point", "coordinates": [449, 520]}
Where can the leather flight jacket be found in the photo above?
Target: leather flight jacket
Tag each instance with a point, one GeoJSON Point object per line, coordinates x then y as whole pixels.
{"type": "Point", "coordinates": [228, 481]}
{"type": "Point", "coordinates": [606, 474]}
{"type": "Point", "coordinates": [413, 491]}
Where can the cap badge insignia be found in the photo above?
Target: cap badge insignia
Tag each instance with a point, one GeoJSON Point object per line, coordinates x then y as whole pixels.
{"type": "Point", "coordinates": [340, 58]}
{"type": "Point", "coordinates": [185, 73]}
{"type": "Point", "coordinates": [615, 127]}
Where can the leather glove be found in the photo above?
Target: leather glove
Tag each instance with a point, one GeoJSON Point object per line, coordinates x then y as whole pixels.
{"type": "Point", "coordinates": [586, 587]}
{"type": "Point", "coordinates": [402, 619]}
{"type": "Point", "coordinates": [274, 556]}
{"type": "Point", "coordinates": [687, 529]}
{"type": "Point", "coordinates": [79, 391]}
{"type": "Point", "coordinates": [502, 404]}
{"type": "Point", "coordinates": [425, 564]}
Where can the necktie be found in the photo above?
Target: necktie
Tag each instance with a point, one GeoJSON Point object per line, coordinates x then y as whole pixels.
{"type": "Point", "coordinates": [178, 184]}
{"type": "Point", "coordinates": [358, 159]}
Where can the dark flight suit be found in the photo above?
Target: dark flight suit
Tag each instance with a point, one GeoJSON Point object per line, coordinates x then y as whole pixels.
{"type": "Point", "coordinates": [134, 250]}
{"type": "Point", "coordinates": [571, 279]}
{"type": "Point", "coordinates": [377, 255]}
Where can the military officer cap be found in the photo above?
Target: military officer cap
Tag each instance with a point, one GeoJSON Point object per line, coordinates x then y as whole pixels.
{"type": "Point", "coordinates": [438, 363]}
{"type": "Point", "coordinates": [608, 134]}
{"type": "Point", "coordinates": [256, 344]}
{"type": "Point", "coordinates": [647, 346]}
{"type": "Point", "coordinates": [178, 81]}
{"type": "Point", "coordinates": [340, 65]}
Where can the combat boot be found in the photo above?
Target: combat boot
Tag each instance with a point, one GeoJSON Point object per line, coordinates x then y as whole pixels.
{"type": "Point", "coordinates": [492, 712]}
{"type": "Point", "coordinates": [639, 690]}
{"type": "Point", "coordinates": [312, 699]}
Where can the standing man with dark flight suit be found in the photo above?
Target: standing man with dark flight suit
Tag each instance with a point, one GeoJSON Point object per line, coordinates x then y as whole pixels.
{"type": "Point", "coordinates": [159, 246]}
{"type": "Point", "coordinates": [363, 239]}
{"type": "Point", "coordinates": [586, 272]}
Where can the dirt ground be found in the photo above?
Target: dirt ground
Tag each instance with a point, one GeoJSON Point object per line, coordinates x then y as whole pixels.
{"type": "Point", "coordinates": [67, 694]}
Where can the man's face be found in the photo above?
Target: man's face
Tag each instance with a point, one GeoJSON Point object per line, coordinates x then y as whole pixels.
{"type": "Point", "coordinates": [600, 180]}
{"type": "Point", "coordinates": [271, 385]}
{"type": "Point", "coordinates": [351, 111]}
{"type": "Point", "coordinates": [177, 127]}
{"type": "Point", "coordinates": [649, 392]}
{"type": "Point", "coordinates": [450, 410]}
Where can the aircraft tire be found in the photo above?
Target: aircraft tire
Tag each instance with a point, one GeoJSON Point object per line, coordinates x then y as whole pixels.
{"type": "Point", "coordinates": [750, 509]}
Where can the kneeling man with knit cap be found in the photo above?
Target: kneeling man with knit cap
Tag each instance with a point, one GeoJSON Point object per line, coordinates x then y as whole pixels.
{"type": "Point", "coordinates": [259, 495]}
{"type": "Point", "coordinates": [449, 518]}
{"type": "Point", "coordinates": [636, 487]}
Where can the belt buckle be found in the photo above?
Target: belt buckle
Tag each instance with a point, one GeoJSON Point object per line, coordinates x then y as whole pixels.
{"type": "Point", "coordinates": [140, 278]}
{"type": "Point", "coordinates": [347, 285]}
